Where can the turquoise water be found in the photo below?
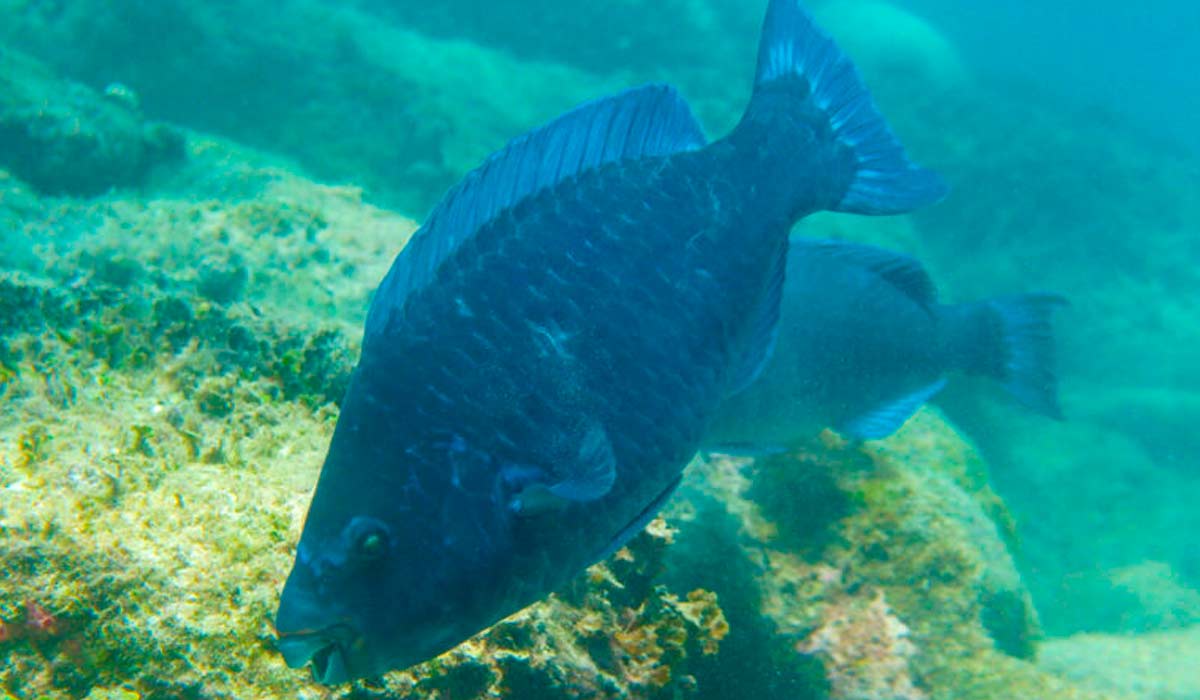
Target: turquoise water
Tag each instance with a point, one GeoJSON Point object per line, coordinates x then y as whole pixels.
{"type": "Point", "coordinates": [160, 227]}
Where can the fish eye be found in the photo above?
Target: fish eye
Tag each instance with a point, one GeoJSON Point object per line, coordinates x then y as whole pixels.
{"type": "Point", "coordinates": [371, 545]}
{"type": "Point", "coordinates": [368, 539]}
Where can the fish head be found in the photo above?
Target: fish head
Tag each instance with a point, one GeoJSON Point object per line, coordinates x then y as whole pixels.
{"type": "Point", "coordinates": [357, 604]}
{"type": "Point", "coordinates": [406, 549]}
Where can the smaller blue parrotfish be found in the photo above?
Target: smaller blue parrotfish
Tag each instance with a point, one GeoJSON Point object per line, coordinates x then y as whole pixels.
{"type": "Point", "coordinates": [863, 342]}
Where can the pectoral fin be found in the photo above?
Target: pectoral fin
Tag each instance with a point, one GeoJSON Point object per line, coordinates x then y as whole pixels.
{"type": "Point", "coordinates": [586, 475]}
{"type": "Point", "coordinates": [887, 419]}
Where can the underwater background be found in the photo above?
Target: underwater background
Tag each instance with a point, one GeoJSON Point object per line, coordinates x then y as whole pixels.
{"type": "Point", "coordinates": [197, 199]}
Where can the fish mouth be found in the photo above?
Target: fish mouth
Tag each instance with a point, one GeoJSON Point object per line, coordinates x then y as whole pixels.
{"type": "Point", "coordinates": [325, 650]}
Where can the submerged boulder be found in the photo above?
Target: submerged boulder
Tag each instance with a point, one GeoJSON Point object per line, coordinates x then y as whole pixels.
{"type": "Point", "coordinates": [65, 139]}
{"type": "Point", "coordinates": [888, 41]}
{"type": "Point", "coordinates": [153, 496]}
{"type": "Point", "coordinates": [876, 571]}
{"type": "Point", "coordinates": [1159, 665]}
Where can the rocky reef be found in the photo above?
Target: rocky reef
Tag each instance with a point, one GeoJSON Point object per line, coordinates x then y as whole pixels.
{"type": "Point", "coordinates": [349, 96]}
{"type": "Point", "coordinates": [170, 363]}
{"type": "Point", "coordinates": [879, 571]}
{"type": "Point", "coordinates": [162, 437]}
{"type": "Point", "coordinates": [179, 314]}
{"type": "Point", "coordinates": [161, 445]}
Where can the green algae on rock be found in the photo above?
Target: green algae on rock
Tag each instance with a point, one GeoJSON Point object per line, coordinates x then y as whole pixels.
{"type": "Point", "coordinates": [888, 564]}
{"type": "Point", "coordinates": [151, 506]}
{"type": "Point", "coordinates": [160, 447]}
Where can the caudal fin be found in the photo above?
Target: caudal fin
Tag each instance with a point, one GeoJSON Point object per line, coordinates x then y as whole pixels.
{"type": "Point", "coordinates": [1012, 340]}
{"type": "Point", "coordinates": [882, 179]}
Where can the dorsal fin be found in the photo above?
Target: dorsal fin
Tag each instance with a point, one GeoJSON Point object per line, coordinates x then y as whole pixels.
{"type": "Point", "coordinates": [646, 121]}
{"type": "Point", "coordinates": [901, 271]}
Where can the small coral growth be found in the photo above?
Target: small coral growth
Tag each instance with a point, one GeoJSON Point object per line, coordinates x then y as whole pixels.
{"type": "Point", "coordinates": [886, 562]}
{"type": "Point", "coordinates": [865, 648]}
{"type": "Point", "coordinates": [33, 624]}
{"type": "Point", "coordinates": [611, 634]}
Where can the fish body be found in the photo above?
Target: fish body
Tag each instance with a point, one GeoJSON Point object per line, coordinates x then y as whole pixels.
{"type": "Point", "coordinates": [864, 342]}
{"type": "Point", "coordinates": [545, 356]}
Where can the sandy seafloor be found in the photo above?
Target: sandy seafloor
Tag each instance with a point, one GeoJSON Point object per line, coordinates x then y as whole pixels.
{"type": "Point", "coordinates": [196, 202]}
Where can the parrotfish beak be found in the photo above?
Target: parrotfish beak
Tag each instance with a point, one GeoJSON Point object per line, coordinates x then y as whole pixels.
{"type": "Point", "coordinates": [325, 650]}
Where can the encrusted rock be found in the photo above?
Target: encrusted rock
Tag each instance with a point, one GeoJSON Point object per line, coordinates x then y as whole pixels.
{"type": "Point", "coordinates": [64, 139]}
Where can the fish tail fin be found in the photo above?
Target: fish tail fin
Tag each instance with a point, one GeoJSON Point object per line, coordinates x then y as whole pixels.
{"type": "Point", "coordinates": [1011, 339]}
{"type": "Point", "coordinates": [803, 76]}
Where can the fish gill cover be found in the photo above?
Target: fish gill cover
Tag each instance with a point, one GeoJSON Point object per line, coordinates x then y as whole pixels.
{"type": "Point", "coordinates": [174, 353]}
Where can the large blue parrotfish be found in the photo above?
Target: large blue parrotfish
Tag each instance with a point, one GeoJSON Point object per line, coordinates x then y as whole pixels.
{"type": "Point", "coordinates": [545, 356]}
